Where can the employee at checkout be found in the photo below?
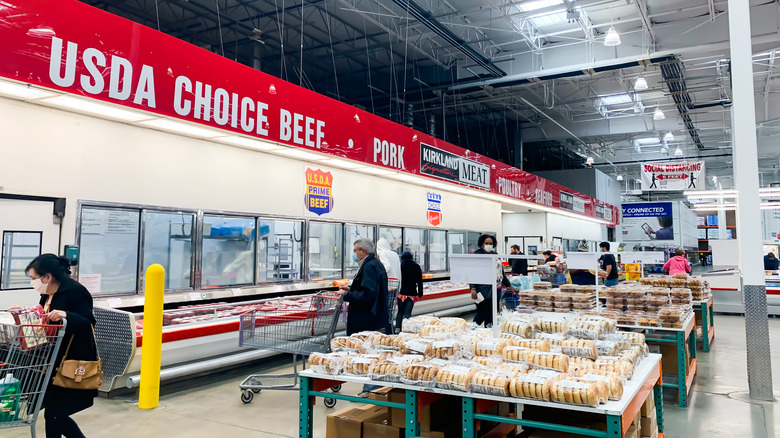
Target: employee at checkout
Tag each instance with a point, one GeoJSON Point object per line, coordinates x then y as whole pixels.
{"type": "Point", "coordinates": [771, 262]}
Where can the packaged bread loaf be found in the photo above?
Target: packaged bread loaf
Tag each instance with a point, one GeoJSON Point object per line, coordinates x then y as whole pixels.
{"type": "Point", "coordinates": [446, 348]}
{"type": "Point", "coordinates": [551, 338]}
{"type": "Point", "coordinates": [490, 347]}
{"type": "Point", "coordinates": [491, 382]}
{"type": "Point", "coordinates": [579, 348]}
{"type": "Point", "coordinates": [511, 368]}
{"type": "Point", "coordinates": [326, 363]}
{"type": "Point", "coordinates": [406, 358]}
{"type": "Point", "coordinates": [456, 324]}
{"type": "Point", "coordinates": [552, 325]}
{"type": "Point", "coordinates": [422, 374]}
{"type": "Point", "coordinates": [610, 348]}
{"type": "Point", "coordinates": [418, 346]}
{"type": "Point", "coordinates": [385, 371]}
{"type": "Point", "coordinates": [455, 377]}
{"type": "Point", "coordinates": [586, 330]}
{"type": "Point", "coordinates": [622, 368]}
{"type": "Point", "coordinates": [530, 386]}
{"type": "Point", "coordinates": [574, 392]}
{"type": "Point", "coordinates": [486, 361]}
{"type": "Point", "coordinates": [519, 354]}
{"type": "Point", "coordinates": [518, 327]}
{"type": "Point", "coordinates": [385, 342]}
{"type": "Point", "coordinates": [609, 325]}
{"type": "Point", "coordinates": [633, 354]}
{"type": "Point", "coordinates": [438, 328]}
{"type": "Point", "coordinates": [535, 344]}
{"type": "Point", "coordinates": [553, 361]}
{"type": "Point", "coordinates": [359, 364]}
{"type": "Point", "coordinates": [614, 387]}
{"type": "Point", "coordinates": [579, 365]}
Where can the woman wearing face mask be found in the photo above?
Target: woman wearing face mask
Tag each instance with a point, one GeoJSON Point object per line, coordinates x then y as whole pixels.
{"type": "Point", "coordinates": [63, 297]}
{"type": "Point", "coordinates": [484, 315]}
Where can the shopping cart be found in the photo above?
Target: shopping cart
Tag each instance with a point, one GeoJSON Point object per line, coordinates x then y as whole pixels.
{"type": "Point", "coordinates": [393, 286]}
{"type": "Point", "coordinates": [27, 355]}
{"type": "Point", "coordinates": [297, 332]}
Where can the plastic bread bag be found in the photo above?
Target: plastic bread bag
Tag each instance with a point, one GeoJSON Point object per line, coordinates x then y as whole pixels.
{"type": "Point", "coordinates": [406, 358]}
{"type": "Point", "coordinates": [621, 367]}
{"type": "Point", "coordinates": [633, 354]}
{"type": "Point", "coordinates": [457, 324]}
{"type": "Point", "coordinates": [613, 384]}
{"type": "Point", "coordinates": [580, 348]}
{"type": "Point", "coordinates": [417, 346]}
{"type": "Point", "coordinates": [486, 361]}
{"type": "Point", "coordinates": [610, 348]}
{"type": "Point", "coordinates": [429, 330]}
{"type": "Point", "coordinates": [574, 392]}
{"type": "Point", "coordinates": [579, 365]}
{"type": "Point", "coordinates": [327, 363]}
{"type": "Point", "coordinates": [469, 363]}
{"type": "Point", "coordinates": [455, 378]}
{"type": "Point", "coordinates": [519, 354]}
{"type": "Point", "coordinates": [420, 374]}
{"type": "Point", "coordinates": [530, 386]}
{"type": "Point", "coordinates": [535, 344]}
{"type": "Point", "coordinates": [359, 365]}
{"type": "Point", "coordinates": [385, 371]}
{"type": "Point", "coordinates": [553, 324]}
{"type": "Point", "coordinates": [491, 382]}
{"type": "Point", "coordinates": [608, 324]}
{"type": "Point", "coordinates": [345, 343]}
{"type": "Point", "coordinates": [518, 327]}
{"type": "Point", "coordinates": [385, 342]}
{"type": "Point", "coordinates": [616, 337]}
{"type": "Point", "coordinates": [411, 325]}
{"type": "Point", "coordinates": [446, 349]}
{"type": "Point", "coordinates": [551, 361]}
{"type": "Point", "coordinates": [489, 347]}
{"type": "Point", "coordinates": [586, 330]}
{"type": "Point", "coordinates": [551, 338]}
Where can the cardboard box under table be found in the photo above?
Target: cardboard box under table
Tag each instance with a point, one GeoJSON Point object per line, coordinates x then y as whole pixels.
{"type": "Point", "coordinates": [705, 322]}
{"type": "Point", "coordinates": [616, 417]}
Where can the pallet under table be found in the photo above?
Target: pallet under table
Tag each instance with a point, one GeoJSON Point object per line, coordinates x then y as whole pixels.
{"type": "Point", "coordinates": [617, 415]}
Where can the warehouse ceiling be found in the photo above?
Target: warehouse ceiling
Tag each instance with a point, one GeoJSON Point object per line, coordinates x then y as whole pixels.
{"type": "Point", "coordinates": [492, 75]}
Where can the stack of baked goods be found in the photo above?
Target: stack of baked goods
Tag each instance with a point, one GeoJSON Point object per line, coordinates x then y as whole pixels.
{"type": "Point", "coordinates": [455, 377]}
{"type": "Point", "coordinates": [420, 374]}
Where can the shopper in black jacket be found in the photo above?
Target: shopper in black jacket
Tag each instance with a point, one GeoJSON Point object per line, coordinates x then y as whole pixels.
{"type": "Point", "coordinates": [367, 297]}
{"type": "Point", "coordinates": [64, 298]}
{"type": "Point", "coordinates": [484, 314]}
{"type": "Point", "coordinates": [519, 266]}
{"type": "Point", "coordinates": [411, 288]}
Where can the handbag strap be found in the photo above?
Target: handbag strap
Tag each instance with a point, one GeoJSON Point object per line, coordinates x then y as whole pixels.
{"type": "Point", "coordinates": [70, 342]}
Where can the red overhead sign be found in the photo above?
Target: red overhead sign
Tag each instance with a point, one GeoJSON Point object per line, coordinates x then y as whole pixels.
{"type": "Point", "coordinates": [70, 46]}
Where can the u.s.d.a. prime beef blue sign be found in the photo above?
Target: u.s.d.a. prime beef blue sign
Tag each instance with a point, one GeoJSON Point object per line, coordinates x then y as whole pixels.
{"type": "Point", "coordinates": [647, 221]}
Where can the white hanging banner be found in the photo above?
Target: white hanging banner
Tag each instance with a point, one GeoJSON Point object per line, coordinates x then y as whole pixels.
{"type": "Point", "coordinates": [473, 269]}
{"type": "Point", "coordinates": [673, 176]}
{"type": "Point", "coordinates": [582, 260]}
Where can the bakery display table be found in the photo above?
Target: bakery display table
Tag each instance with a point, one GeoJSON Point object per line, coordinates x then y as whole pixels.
{"type": "Point", "coordinates": [705, 314]}
{"type": "Point", "coordinates": [617, 415]}
{"type": "Point", "coordinates": [683, 355]}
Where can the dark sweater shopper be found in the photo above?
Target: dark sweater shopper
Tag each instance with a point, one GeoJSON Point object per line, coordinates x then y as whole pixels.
{"type": "Point", "coordinates": [484, 314]}
{"type": "Point", "coordinates": [64, 298]}
{"type": "Point", "coordinates": [411, 288]}
{"type": "Point", "coordinates": [367, 296]}
{"type": "Point", "coordinates": [519, 266]}
{"type": "Point", "coordinates": [771, 263]}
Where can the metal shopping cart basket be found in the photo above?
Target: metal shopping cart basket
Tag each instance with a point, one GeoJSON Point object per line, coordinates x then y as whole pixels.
{"type": "Point", "coordinates": [297, 332]}
{"type": "Point", "coordinates": [27, 355]}
{"type": "Point", "coordinates": [393, 286]}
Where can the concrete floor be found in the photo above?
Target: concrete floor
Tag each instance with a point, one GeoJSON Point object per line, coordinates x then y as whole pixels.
{"type": "Point", "coordinates": [210, 407]}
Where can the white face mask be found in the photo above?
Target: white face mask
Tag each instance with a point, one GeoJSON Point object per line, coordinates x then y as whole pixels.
{"type": "Point", "coordinates": [39, 286]}
{"type": "Point", "coordinates": [488, 248]}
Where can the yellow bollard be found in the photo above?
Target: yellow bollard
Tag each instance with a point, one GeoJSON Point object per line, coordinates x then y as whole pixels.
{"type": "Point", "coordinates": [151, 349]}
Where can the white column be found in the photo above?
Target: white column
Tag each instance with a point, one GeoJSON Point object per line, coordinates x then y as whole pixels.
{"type": "Point", "coordinates": [722, 222]}
{"type": "Point", "coordinates": [743, 125]}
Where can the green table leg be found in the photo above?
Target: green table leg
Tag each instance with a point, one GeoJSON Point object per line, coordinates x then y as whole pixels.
{"type": "Point", "coordinates": [682, 371]}
{"type": "Point", "coordinates": [705, 327]}
{"type": "Point", "coordinates": [614, 429]}
{"type": "Point", "coordinates": [469, 425]}
{"type": "Point", "coordinates": [658, 395]}
{"type": "Point", "coordinates": [305, 411]}
{"type": "Point", "coordinates": [692, 345]}
{"type": "Point", "coordinates": [412, 415]}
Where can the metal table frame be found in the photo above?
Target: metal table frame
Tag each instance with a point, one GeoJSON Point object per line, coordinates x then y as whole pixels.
{"type": "Point", "coordinates": [686, 370]}
{"type": "Point", "coordinates": [618, 415]}
{"type": "Point", "coordinates": [705, 308]}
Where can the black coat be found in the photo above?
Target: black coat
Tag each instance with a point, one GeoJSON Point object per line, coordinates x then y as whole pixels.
{"type": "Point", "coordinates": [411, 278]}
{"type": "Point", "coordinates": [520, 266]}
{"type": "Point", "coordinates": [76, 302]}
{"type": "Point", "coordinates": [367, 298]}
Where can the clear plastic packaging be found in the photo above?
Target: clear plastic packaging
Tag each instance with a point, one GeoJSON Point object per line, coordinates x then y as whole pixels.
{"type": "Point", "coordinates": [385, 371]}
{"type": "Point", "coordinates": [648, 320]}
{"type": "Point", "coordinates": [622, 368]}
{"type": "Point", "coordinates": [455, 377]}
{"type": "Point", "coordinates": [574, 392]}
{"type": "Point", "coordinates": [418, 346]}
{"type": "Point", "coordinates": [551, 338]}
{"type": "Point", "coordinates": [551, 361]}
{"type": "Point", "coordinates": [579, 348]}
{"type": "Point", "coordinates": [542, 285]}
{"type": "Point", "coordinates": [587, 329]}
{"type": "Point", "coordinates": [613, 384]}
{"type": "Point", "coordinates": [446, 348]}
{"type": "Point", "coordinates": [518, 327]}
{"type": "Point", "coordinates": [359, 365]}
{"type": "Point", "coordinates": [491, 382]}
{"type": "Point", "coordinates": [534, 344]}
{"type": "Point", "coordinates": [553, 325]}
{"type": "Point", "coordinates": [420, 374]}
{"type": "Point", "coordinates": [610, 348]}
{"type": "Point", "coordinates": [490, 347]}
{"type": "Point", "coordinates": [327, 363]}
{"type": "Point", "coordinates": [578, 365]}
{"type": "Point", "coordinates": [519, 354]}
{"type": "Point", "coordinates": [609, 325]}
{"type": "Point", "coordinates": [530, 386]}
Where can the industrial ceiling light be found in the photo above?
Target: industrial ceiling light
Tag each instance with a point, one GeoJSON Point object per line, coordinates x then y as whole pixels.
{"type": "Point", "coordinates": [658, 114]}
{"type": "Point", "coordinates": [620, 178]}
{"type": "Point", "coordinates": [669, 136]}
{"type": "Point", "coordinates": [640, 84]}
{"type": "Point", "coordinates": [612, 38]}
{"type": "Point", "coordinates": [678, 152]}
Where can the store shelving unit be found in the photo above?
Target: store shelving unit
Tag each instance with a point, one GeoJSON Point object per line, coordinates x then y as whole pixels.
{"type": "Point", "coordinates": [704, 313]}
{"type": "Point", "coordinates": [617, 415]}
{"type": "Point", "coordinates": [687, 367]}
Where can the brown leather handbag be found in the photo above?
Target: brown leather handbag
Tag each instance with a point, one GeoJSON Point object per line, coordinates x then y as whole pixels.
{"type": "Point", "coordinates": [79, 374]}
